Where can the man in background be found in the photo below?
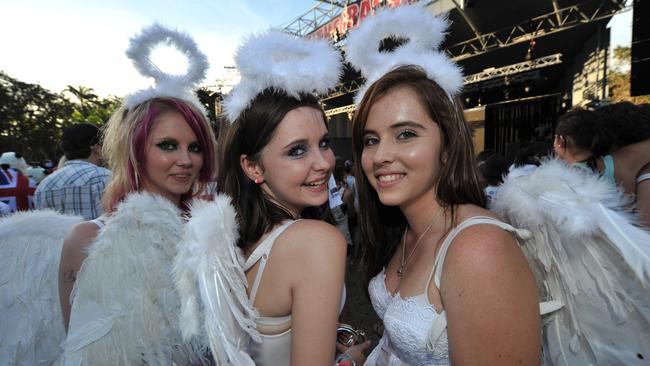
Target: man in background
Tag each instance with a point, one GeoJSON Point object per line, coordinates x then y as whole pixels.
{"type": "Point", "coordinates": [78, 186]}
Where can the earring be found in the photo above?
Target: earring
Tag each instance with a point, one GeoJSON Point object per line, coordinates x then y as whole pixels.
{"type": "Point", "coordinates": [258, 181]}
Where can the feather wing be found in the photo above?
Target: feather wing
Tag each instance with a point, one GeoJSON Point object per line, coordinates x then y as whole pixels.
{"type": "Point", "coordinates": [125, 307]}
{"type": "Point", "coordinates": [587, 253]}
{"type": "Point", "coordinates": [31, 328]}
{"type": "Point", "coordinates": [209, 267]}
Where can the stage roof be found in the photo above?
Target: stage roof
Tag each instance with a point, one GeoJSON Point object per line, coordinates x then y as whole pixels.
{"type": "Point", "coordinates": [485, 34]}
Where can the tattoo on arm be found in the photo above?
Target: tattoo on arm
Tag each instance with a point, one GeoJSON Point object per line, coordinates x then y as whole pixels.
{"type": "Point", "coordinates": [69, 276]}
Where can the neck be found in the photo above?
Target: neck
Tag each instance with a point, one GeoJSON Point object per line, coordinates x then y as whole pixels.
{"type": "Point", "coordinates": [420, 214]}
{"type": "Point", "coordinates": [575, 156]}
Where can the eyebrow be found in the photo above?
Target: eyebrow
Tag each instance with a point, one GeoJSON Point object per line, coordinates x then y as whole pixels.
{"type": "Point", "coordinates": [401, 124]}
{"type": "Point", "coordinates": [166, 138]}
{"type": "Point", "coordinates": [398, 125]}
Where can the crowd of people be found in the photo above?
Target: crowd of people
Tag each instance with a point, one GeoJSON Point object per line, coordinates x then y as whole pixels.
{"type": "Point", "coordinates": [449, 278]}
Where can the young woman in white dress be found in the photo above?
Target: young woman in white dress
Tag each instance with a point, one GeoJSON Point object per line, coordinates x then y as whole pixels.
{"type": "Point", "coordinates": [276, 161]}
{"type": "Point", "coordinates": [448, 278]}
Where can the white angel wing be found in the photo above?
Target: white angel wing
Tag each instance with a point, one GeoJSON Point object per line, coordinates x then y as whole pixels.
{"type": "Point", "coordinates": [587, 254]}
{"type": "Point", "coordinates": [125, 307]}
{"type": "Point", "coordinates": [210, 261]}
{"type": "Point", "coordinates": [31, 325]}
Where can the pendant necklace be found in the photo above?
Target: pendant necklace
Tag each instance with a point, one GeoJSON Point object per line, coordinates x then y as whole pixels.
{"type": "Point", "coordinates": [401, 271]}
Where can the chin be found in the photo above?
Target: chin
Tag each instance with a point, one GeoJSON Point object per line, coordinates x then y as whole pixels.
{"type": "Point", "coordinates": [390, 200]}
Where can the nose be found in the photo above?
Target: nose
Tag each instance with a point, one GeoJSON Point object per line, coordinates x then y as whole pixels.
{"type": "Point", "coordinates": [383, 152]}
{"type": "Point", "coordinates": [184, 158]}
{"type": "Point", "coordinates": [321, 162]}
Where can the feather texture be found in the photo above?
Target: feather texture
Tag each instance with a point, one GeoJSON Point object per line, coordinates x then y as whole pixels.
{"type": "Point", "coordinates": [278, 60]}
{"type": "Point", "coordinates": [31, 329]}
{"type": "Point", "coordinates": [209, 266]}
{"type": "Point", "coordinates": [587, 254]}
{"type": "Point", "coordinates": [166, 85]}
{"type": "Point", "coordinates": [423, 33]}
{"type": "Point", "coordinates": [125, 307]}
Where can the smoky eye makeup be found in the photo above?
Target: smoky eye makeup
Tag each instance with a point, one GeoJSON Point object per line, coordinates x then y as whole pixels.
{"type": "Point", "coordinates": [167, 144]}
{"type": "Point", "coordinates": [297, 150]}
{"type": "Point", "coordinates": [324, 142]}
{"type": "Point", "coordinates": [195, 147]}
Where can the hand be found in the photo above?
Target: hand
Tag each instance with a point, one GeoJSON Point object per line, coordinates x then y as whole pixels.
{"type": "Point", "coordinates": [356, 351]}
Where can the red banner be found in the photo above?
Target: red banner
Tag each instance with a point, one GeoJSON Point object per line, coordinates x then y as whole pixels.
{"type": "Point", "coordinates": [350, 17]}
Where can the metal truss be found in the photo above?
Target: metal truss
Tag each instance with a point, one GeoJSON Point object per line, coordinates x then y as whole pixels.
{"type": "Point", "coordinates": [515, 73]}
{"type": "Point", "coordinates": [344, 88]}
{"type": "Point", "coordinates": [487, 74]}
{"type": "Point", "coordinates": [345, 109]}
{"type": "Point", "coordinates": [556, 21]}
{"type": "Point", "coordinates": [495, 72]}
{"type": "Point", "coordinates": [504, 81]}
{"type": "Point", "coordinates": [315, 17]}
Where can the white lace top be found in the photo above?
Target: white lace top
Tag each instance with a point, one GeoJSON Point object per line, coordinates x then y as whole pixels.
{"type": "Point", "coordinates": [414, 332]}
{"type": "Point", "coordinates": [406, 326]}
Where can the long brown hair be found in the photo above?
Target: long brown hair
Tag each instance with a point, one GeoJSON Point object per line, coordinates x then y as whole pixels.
{"type": "Point", "coordinates": [249, 134]}
{"type": "Point", "coordinates": [457, 183]}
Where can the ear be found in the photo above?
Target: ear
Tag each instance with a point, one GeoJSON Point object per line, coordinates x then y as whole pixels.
{"type": "Point", "coordinates": [251, 168]}
{"type": "Point", "coordinates": [560, 141]}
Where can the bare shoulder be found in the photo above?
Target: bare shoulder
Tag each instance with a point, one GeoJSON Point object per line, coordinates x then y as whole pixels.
{"type": "Point", "coordinates": [484, 249]}
{"type": "Point", "coordinates": [313, 243]}
{"type": "Point", "coordinates": [633, 156]}
{"type": "Point", "coordinates": [80, 236]}
{"type": "Point", "coordinates": [315, 233]}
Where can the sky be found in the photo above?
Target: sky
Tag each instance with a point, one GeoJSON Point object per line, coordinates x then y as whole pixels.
{"type": "Point", "coordinates": [56, 43]}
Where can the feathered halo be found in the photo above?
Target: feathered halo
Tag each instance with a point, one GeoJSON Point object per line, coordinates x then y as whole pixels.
{"type": "Point", "coordinates": [166, 85]}
{"type": "Point", "coordinates": [423, 33]}
{"type": "Point", "coordinates": [281, 61]}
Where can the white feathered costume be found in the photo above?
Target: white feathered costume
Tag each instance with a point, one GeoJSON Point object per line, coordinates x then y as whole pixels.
{"type": "Point", "coordinates": [126, 308]}
{"type": "Point", "coordinates": [587, 254]}
{"type": "Point", "coordinates": [31, 324]}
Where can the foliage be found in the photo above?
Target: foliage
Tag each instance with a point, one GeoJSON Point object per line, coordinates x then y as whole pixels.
{"type": "Point", "coordinates": [32, 118]}
{"type": "Point", "coordinates": [211, 100]}
{"type": "Point", "coordinates": [619, 78]}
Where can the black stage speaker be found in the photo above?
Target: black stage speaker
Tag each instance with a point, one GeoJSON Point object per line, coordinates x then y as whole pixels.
{"type": "Point", "coordinates": [640, 68]}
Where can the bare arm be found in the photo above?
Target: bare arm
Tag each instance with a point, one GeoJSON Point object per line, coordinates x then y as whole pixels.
{"type": "Point", "coordinates": [320, 273]}
{"type": "Point", "coordinates": [72, 256]}
{"type": "Point", "coordinates": [490, 298]}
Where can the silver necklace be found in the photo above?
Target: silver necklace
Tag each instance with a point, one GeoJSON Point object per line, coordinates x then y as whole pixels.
{"type": "Point", "coordinates": [401, 271]}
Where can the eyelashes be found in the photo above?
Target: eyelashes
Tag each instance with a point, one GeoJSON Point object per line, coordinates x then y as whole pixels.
{"type": "Point", "coordinates": [402, 135]}
{"type": "Point", "coordinates": [302, 149]}
{"type": "Point", "coordinates": [171, 145]}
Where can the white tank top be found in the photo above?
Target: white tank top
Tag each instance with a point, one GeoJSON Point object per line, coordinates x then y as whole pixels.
{"type": "Point", "coordinates": [275, 348]}
{"type": "Point", "coordinates": [414, 332]}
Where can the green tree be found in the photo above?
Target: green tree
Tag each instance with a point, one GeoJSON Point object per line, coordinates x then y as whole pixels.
{"type": "Point", "coordinates": [88, 107]}
{"type": "Point", "coordinates": [32, 118]}
{"type": "Point", "coordinates": [619, 77]}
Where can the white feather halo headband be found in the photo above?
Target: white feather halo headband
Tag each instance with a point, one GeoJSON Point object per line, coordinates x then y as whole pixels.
{"type": "Point", "coordinates": [166, 85]}
{"type": "Point", "coordinates": [278, 60]}
{"type": "Point", "coordinates": [423, 33]}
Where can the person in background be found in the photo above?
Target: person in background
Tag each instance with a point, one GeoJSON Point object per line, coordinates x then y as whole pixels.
{"type": "Point", "coordinates": [341, 189]}
{"type": "Point", "coordinates": [16, 189]}
{"type": "Point", "coordinates": [493, 169]}
{"type": "Point", "coordinates": [614, 142]}
{"type": "Point", "coordinates": [78, 186]}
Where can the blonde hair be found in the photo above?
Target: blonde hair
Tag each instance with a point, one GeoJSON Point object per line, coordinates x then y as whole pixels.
{"type": "Point", "coordinates": [124, 141]}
